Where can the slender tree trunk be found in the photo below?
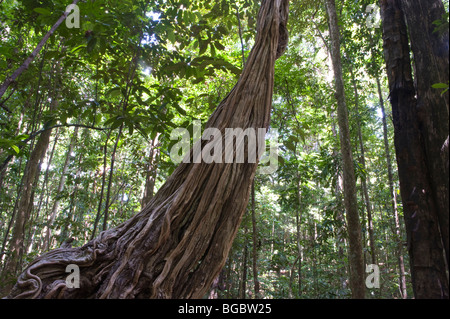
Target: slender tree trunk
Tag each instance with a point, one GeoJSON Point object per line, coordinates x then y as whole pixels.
{"type": "Point", "coordinates": [24, 206]}
{"type": "Point", "coordinates": [427, 263]}
{"type": "Point", "coordinates": [401, 263]}
{"type": "Point", "coordinates": [291, 277]}
{"type": "Point", "coordinates": [300, 254]}
{"type": "Point", "coordinates": [298, 221]}
{"type": "Point", "coordinates": [71, 219]}
{"type": "Point", "coordinates": [4, 167]}
{"type": "Point", "coordinates": [44, 189]}
{"type": "Point", "coordinates": [178, 244]}
{"type": "Point", "coordinates": [100, 201]}
{"type": "Point", "coordinates": [111, 174]}
{"type": "Point", "coordinates": [313, 239]}
{"type": "Point", "coordinates": [340, 239]}
{"type": "Point", "coordinates": [365, 190]}
{"type": "Point", "coordinates": [3, 171]}
{"type": "Point", "coordinates": [255, 245]}
{"type": "Point", "coordinates": [152, 167]}
{"type": "Point", "coordinates": [351, 205]}
{"type": "Point", "coordinates": [244, 266]}
{"type": "Point", "coordinates": [228, 281]}
{"type": "Point", "coordinates": [298, 215]}
{"type": "Point", "coordinates": [61, 184]}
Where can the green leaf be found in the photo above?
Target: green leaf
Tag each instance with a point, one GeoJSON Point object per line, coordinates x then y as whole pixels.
{"type": "Point", "coordinates": [22, 137]}
{"type": "Point", "coordinates": [171, 36]}
{"type": "Point", "coordinates": [52, 54]}
{"type": "Point", "coordinates": [143, 89]}
{"type": "Point", "coordinates": [118, 122]}
{"type": "Point", "coordinates": [290, 146]}
{"type": "Point", "coordinates": [108, 122]}
{"type": "Point", "coordinates": [198, 80]}
{"type": "Point", "coordinates": [219, 46]}
{"type": "Point", "coordinates": [78, 48]}
{"type": "Point", "coordinates": [63, 118]}
{"type": "Point", "coordinates": [42, 11]}
{"type": "Point", "coordinates": [91, 44]}
{"type": "Point", "coordinates": [293, 138]}
{"type": "Point", "coordinates": [440, 86]}
{"type": "Point", "coordinates": [179, 109]}
{"type": "Point", "coordinates": [129, 123]}
{"type": "Point", "coordinates": [15, 148]}
{"type": "Point", "coordinates": [115, 92]}
{"type": "Point", "coordinates": [203, 46]}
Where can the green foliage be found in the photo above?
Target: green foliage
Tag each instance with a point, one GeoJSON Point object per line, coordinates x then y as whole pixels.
{"type": "Point", "coordinates": [443, 86]}
{"type": "Point", "coordinates": [442, 24]}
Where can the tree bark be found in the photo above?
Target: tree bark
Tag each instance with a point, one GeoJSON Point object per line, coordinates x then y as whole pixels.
{"type": "Point", "coordinates": [178, 244]}
{"type": "Point", "coordinates": [427, 263]}
{"type": "Point", "coordinates": [351, 205]}
{"type": "Point", "coordinates": [431, 50]}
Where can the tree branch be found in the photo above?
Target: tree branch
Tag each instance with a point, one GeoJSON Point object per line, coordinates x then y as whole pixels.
{"type": "Point", "coordinates": [9, 80]}
{"type": "Point", "coordinates": [5, 108]}
{"type": "Point", "coordinates": [240, 35]}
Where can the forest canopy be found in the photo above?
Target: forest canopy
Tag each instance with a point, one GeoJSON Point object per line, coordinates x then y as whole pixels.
{"type": "Point", "coordinates": [89, 108]}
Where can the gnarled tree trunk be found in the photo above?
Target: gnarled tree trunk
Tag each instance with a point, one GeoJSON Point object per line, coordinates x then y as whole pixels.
{"type": "Point", "coordinates": [177, 245]}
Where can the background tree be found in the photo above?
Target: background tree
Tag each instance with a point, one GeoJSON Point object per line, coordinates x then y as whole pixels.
{"type": "Point", "coordinates": [350, 200]}
{"type": "Point", "coordinates": [422, 223]}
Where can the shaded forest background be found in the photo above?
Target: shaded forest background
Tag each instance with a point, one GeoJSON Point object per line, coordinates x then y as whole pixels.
{"type": "Point", "coordinates": [85, 135]}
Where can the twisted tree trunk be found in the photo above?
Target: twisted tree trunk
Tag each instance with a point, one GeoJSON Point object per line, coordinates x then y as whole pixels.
{"type": "Point", "coordinates": [177, 245]}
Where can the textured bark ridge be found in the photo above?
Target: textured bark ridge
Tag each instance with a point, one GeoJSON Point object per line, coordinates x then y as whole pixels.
{"type": "Point", "coordinates": [177, 245]}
